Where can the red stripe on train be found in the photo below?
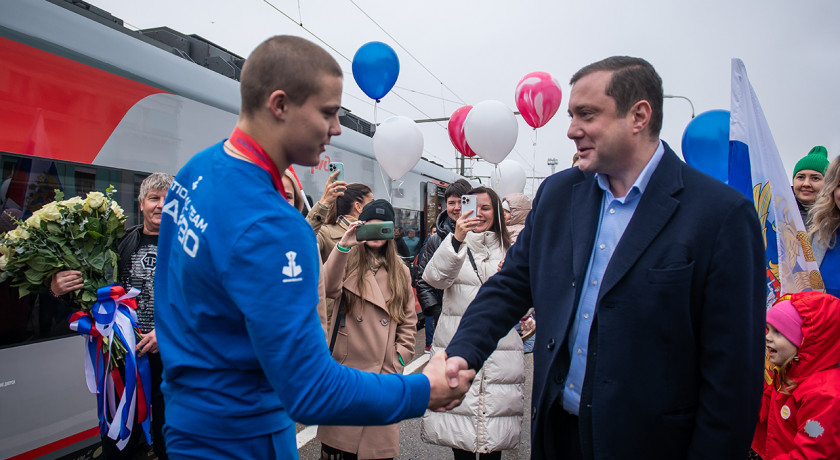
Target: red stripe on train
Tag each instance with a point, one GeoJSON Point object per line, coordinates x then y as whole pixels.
{"type": "Point", "coordinates": [55, 107]}
{"type": "Point", "coordinates": [60, 444]}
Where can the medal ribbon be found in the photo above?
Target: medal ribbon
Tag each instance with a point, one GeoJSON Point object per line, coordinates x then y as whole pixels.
{"type": "Point", "coordinates": [249, 148]}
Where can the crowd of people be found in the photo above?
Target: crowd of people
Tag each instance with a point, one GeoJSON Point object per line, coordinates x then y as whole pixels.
{"type": "Point", "coordinates": [645, 279]}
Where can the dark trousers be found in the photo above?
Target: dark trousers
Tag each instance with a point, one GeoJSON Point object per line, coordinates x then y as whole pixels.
{"type": "Point", "coordinates": [136, 446]}
{"type": "Point", "coordinates": [467, 455]}
{"type": "Point", "coordinates": [158, 416]}
{"type": "Point", "coordinates": [331, 453]}
{"type": "Point", "coordinates": [563, 431]}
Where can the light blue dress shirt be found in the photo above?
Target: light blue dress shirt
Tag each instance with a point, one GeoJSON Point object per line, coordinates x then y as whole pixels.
{"type": "Point", "coordinates": [615, 215]}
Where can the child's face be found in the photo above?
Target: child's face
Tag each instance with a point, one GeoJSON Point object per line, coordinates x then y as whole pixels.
{"type": "Point", "coordinates": [779, 348]}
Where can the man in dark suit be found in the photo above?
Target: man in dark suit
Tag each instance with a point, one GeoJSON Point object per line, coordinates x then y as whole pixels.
{"type": "Point", "coordinates": [646, 276]}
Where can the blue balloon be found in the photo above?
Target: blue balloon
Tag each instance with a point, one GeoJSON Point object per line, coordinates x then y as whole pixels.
{"type": "Point", "coordinates": [375, 68]}
{"type": "Point", "coordinates": [705, 143]}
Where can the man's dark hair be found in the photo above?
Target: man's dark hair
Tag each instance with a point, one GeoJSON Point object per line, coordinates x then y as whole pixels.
{"type": "Point", "coordinates": [355, 192]}
{"type": "Point", "coordinates": [458, 188]}
{"type": "Point", "coordinates": [633, 80]}
{"type": "Point", "coordinates": [288, 63]}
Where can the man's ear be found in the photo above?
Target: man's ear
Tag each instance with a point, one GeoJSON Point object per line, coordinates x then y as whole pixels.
{"type": "Point", "coordinates": [278, 102]}
{"type": "Point", "coordinates": [641, 113]}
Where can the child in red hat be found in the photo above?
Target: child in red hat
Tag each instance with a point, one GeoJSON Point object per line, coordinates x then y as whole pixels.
{"type": "Point", "coordinates": [800, 412]}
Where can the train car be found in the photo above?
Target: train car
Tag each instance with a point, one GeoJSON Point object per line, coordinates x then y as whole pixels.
{"type": "Point", "coordinates": [85, 103]}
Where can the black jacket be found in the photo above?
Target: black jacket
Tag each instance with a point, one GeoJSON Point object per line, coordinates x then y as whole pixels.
{"type": "Point", "coordinates": [430, 298]}
{"type": "Point", "coordinates": [685, 287]}
{"type": "Point", "coordinates": [127, 246]}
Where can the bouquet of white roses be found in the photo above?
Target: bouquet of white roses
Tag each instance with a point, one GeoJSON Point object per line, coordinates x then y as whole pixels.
{"type": "Point", "coordinates": [82, 234]}
{"type": "Point", "coordinates": [75, 234]}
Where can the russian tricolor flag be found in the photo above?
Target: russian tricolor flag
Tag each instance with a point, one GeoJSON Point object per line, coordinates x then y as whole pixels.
{"type": "Point", "coordinates": [756, 169]}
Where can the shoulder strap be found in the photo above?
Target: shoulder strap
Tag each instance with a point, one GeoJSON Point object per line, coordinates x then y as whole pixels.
{"type": "Point", "coordinates": [339, 321]}
{"type": "Point", "coordinates": [475, 267]}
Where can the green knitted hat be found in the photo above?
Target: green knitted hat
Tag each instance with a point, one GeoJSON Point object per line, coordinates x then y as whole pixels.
{"type": "Point", "coordinates": [816, 159]}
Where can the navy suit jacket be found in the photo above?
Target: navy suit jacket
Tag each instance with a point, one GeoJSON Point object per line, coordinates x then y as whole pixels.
{"type": "Point", "coordinates": [676, 349]}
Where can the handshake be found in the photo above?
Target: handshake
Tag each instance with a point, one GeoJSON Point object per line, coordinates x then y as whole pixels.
{"type": "Point", "coordinates": [450, 379]}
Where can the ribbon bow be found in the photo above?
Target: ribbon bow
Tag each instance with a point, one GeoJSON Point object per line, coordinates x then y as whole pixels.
{"type": "Point", "coordinates": [113, 318]}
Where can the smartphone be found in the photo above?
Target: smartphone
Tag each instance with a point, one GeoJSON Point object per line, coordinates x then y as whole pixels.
{"type": "Point", "coordinates": [337, 166]}
{"type": "Point", "coordinates": [469, 203]}
{"type": "Point", "coordinates": [375, 231]}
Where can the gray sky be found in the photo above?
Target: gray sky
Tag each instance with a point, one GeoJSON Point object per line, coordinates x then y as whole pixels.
{"type": "Point", "coordinates": [481, 49]}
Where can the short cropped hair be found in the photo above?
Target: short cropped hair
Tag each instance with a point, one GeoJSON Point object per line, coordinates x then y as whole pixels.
{"type": "Point", "coordinates": [287, 63]}
{"type": "Point", "coordinates": [633, 80]}
{"type": "Point", "coordinates": [155, 181]}
{"type": "Point", "coordinates": [458, 188]}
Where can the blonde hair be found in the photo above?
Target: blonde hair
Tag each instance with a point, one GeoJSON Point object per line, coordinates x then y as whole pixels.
{"type": "Point", "coordinates": [785, 384]}
{"type": "Point", "coordinates": [824, 216]}
{"type": "Point", "coordinates": [397, 282]}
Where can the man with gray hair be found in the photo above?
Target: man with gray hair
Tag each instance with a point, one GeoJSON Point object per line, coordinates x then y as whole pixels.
{"type": "Point", "coordinates": [136, 268]}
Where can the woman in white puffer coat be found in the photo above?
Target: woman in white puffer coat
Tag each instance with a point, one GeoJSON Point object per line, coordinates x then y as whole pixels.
{"type": "Point", "coordinates": [489, 419]}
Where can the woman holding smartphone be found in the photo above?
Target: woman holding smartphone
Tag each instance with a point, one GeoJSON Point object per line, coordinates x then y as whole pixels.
{"type": "Point", "coordinates": [489, 419]}
{"type": "Point", "coordinates": [374, 326]}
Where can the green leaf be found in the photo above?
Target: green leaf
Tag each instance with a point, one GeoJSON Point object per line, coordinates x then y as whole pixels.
{"type": "Point", "coordinates": [59, 195]}
{"type": "Point", "coordinates": [23, 291]}
{"type": "Point", "coordinates": [71, 260]}
{"type": "Point", "coordinates": [93, 225]}
{"type": "Point", "coordinates": [39, 263]}
{"type": "Point", "coordinates": [34, 276]}
{"type": "Point", "coordinates": [97, 261]}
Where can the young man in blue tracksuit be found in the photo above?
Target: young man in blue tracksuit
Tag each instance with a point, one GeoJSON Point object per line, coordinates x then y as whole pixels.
{"type": "Point", "coordinates": [237, 276]}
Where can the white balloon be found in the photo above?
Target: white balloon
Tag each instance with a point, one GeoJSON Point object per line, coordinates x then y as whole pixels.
{"type": "Point", "coordinates": [491, 130]}
{"type": "Point", "coordinates": [398, 145]}
{"type": "Point", "coordinates": [509, 177]}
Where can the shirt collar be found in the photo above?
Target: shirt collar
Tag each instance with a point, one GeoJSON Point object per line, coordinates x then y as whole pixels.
{"type": "Point", "coordinates": [641, 182]}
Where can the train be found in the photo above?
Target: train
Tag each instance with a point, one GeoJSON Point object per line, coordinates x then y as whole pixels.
{"type": "Point", "coordinates": [86, 103]}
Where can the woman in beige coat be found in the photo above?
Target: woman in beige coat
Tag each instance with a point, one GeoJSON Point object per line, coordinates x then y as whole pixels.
{"type": "Point", "coordinates": [377, 331]}
{"type": "Point", "coordinates": [490, 417]}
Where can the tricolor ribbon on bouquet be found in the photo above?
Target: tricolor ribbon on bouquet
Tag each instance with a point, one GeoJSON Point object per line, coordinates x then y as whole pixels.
{"type": "Point", "coordinates": [113, 318]}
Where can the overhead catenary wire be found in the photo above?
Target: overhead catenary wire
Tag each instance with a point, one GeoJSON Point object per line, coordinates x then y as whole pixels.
{"type": "Point", "coordinates": [407, 51]}
{"type": "Point", "coordinates": [299, 23]}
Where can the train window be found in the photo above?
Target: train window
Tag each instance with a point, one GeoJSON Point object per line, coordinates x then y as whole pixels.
{"type": "Point", "coordinates": [28, 183]}
{"type": "Point", "coordinates": [85, 180]}
{"type": "Point", "coordinates": [135, 207]}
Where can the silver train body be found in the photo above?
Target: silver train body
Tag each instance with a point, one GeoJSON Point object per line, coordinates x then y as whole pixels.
{"type": "Point", "coordinates": [64, 83]}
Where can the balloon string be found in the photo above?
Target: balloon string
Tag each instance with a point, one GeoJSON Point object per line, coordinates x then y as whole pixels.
{"type": "Point", "coordinates": [534, 165]}
{"type": "Point", "coordinates": [498, 173]}
{"type": "Point", "coordinates": [391, 190]}
{"type": "Point", "coordinates": [374, 111]}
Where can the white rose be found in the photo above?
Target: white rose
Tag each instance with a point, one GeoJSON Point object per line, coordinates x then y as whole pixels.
{"type": "Point", "coordinates": [72, 202]}
{"type": "Point", "coordinates": [18, 233]}
{"type": "Point", "coordinates": [5, 250]}
{"type": "Point", "coordinates": [117, 210]}
{"type": "Point", "coordinates": [95, 201]}
{"type": "Point", "coordinates": [3, 262]}
{"type": "Point", "coordinates": [34, 220]}
{"type": "Point", "coordinates": [49, 213]}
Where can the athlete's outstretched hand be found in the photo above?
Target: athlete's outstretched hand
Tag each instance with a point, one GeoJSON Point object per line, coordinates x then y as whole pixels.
{"type": "Point", "coordinates": [446, 392]}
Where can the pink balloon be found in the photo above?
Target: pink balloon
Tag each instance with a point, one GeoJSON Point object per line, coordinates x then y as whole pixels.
{"type": "Point", "coordinates": [456, 131]}
{"type": "Point", "coordinates": [538, 98]}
